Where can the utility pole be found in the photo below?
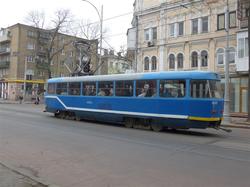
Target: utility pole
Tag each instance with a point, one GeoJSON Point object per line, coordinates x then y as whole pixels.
{"type": "Point", "coordinates": [24, 80]}
{"type": "Point", "coordinates": [101, 25]}
{"type": "Point", "coordinates": [226, 67]}
{"type": "Point", "coordinates": [136, 42]}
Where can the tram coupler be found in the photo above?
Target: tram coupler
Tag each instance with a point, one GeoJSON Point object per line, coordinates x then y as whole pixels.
{"type": "Point", "coordinates": [224, 129]}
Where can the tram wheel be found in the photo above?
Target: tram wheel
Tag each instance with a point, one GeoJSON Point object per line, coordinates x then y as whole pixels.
{"type": "Point", "coordinates": [77, 118]}
{"type": "Point", "coordinates": [129, 122]}
{"type": "Point", "coordinates": [62, 115]}
{"type": "Point", "coordinates": [156, 127]}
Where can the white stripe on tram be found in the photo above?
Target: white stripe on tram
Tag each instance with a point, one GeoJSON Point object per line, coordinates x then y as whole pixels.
{"type": "Point", "coordinates": [119, 112]}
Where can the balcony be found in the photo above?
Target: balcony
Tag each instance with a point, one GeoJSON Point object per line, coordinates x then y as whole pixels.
{"type": "Point", "coordinates": [4, 64]}
{"type": "Point", "coordinates": [4, 35]}
{"type": "Point", "coordinates": [5, 50]}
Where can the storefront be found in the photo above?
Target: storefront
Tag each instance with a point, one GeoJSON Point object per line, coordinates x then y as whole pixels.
{"type": "Point", "coordinates": [11, 89]}
{"type": "Point", "coordinates": [238, 94]}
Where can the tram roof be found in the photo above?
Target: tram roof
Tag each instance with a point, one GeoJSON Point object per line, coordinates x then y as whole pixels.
{"type": "Point", "coordinates": [140, 76]}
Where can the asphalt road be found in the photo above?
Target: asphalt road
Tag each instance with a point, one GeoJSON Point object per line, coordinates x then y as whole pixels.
{"type": "Point", "coordinates": [84, 154]}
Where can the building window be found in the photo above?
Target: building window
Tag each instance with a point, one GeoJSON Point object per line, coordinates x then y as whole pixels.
{"type": "Point", "coordinates": [30, 46]}
{"type": "Point", "coordinates": [154, 63]}
{"type": "Point", "coordinates": [204, 57]}
{"type": "Point", "coordinates": [180, 28]}
{"type": "Point", "coordinates": [246, 45]}
{"type": "Point", "coordinates": [30, 34]}
{"type": "Point", "coordinates": [204, 21]}
{"type": "Point", "coordinates": [232, 19]}
{"type": "Point", "coordinates": [194, 57]}
{"type": "Point", "coordinates": [150, 34]}
{"type": "Point", "coordinates": [231, 55]}
{"type": "Point", "coordinates": [41, 73]}
{"type": "Point", "coordinates": [221, 22]}
{"type": "Point", "coordinates": [242, 47]}
{"type": "Point", "coordinates": [146, 63]}
{"type": "Point", "coordinates": [220, 56]}
{"type": "Point", "coordinates": [172, 29]}
{"type": "Point", "coordinates": [29, 58]}
{"type": "Point", "coordinates": [195, 26]}
{"type": "Point", "coordinates": [28, 77]}
{"type": "Point", "coordinates": [154, 32]}
{"type": "Point", "coordinates": [146, 34]}
{"type": "Point", "coordinates": [171, 61]}
{"type": "Point", "coordinates": [180, 60]}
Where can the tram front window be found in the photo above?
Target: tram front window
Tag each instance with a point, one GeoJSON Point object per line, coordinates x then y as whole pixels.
{"type": "Point", "coordinates": [206, 89]}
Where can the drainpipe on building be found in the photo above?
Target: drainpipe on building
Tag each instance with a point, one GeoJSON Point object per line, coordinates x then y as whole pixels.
{"type": "Point", "coordinates": [248, 119]}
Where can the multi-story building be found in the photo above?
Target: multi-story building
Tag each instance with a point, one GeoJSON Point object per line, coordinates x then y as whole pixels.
{"type": "Point", "coordinates": [114, 64]}
{"type": "Point", "coordinates": [242, 59]}
{"type": "Point", "coordinates": [24, 63]}
{"type": "Point", "coordinates": [173, 35]}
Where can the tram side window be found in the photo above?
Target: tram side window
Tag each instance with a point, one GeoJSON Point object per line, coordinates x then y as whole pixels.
{"type": "Point", "coordinates": [205, 89]}
{"type": "Point", "coordinates": [74, 88]}
{"type": "Point", "coordinates": [172, 88]}
{"type": "Point", "coordinates": [51, 88]}
{"type": "Point", "coordinates": [89, 88]}
{"type": "Point", "coordinates": [124, 88]}
{"type": "Point", "coordinates": [105, 88]}
{"type": "Point", "coordinates": [146, 88]}
{"type": "Point", "coordinates": [61, 89]}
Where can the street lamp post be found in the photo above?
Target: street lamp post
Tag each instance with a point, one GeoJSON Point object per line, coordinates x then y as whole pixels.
{"type": "Point", "coordinates": [100, 15]}
{"type": "Point", "coordinates": [24, 80]}
{"type": "Point", "coordinates": [226, 97]}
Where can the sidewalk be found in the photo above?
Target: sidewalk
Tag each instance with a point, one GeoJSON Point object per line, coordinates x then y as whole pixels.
{"type": "Point", "coordinates": [3, 101]}
{"type": "Point", "coordinates": [12, 178]}
{"type": "Point", "coordinates": [237, 122]}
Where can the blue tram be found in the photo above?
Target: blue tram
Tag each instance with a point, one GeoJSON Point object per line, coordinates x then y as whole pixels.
{"type": "Point", "coordinates": [176, 100]}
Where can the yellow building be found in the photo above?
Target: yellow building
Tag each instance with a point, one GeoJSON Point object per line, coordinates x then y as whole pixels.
{"type": "Point", "coordinates": [173, 35]}
{"type": "Point", "coordinates": [23, 64]}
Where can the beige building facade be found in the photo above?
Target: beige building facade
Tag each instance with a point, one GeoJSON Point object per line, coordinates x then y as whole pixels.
{"type": "Point", "coordinates": [23, 66]}
{"type": "Point", "coordinates": [114, 63]}
{"type": "Point", "coordinates": [174, 35]}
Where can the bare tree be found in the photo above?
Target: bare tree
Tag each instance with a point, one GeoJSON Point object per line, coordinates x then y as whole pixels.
{"type": "Point", "coordinates": [50, 41]}
{"type": "Point", "coordinates": [91, 30]}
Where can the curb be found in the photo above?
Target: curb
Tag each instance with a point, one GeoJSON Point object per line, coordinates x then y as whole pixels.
{"type": "Point", "coordinates": [243, 126]}
{"type": "Point", "coordinates": [28, 176]}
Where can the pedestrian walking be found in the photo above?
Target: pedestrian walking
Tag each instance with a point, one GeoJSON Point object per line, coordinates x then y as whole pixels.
{"type": "Point", "coordinates": [20, 98]}
{"type": "Point", "coordinates": [37, 101]}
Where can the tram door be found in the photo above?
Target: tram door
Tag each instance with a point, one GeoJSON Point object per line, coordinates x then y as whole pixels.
{"type": "Point", "coordinates": [243, 99]}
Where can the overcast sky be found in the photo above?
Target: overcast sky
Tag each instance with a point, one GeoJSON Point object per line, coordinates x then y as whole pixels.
{"type": "Point", "coordinates": [15, 11]}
